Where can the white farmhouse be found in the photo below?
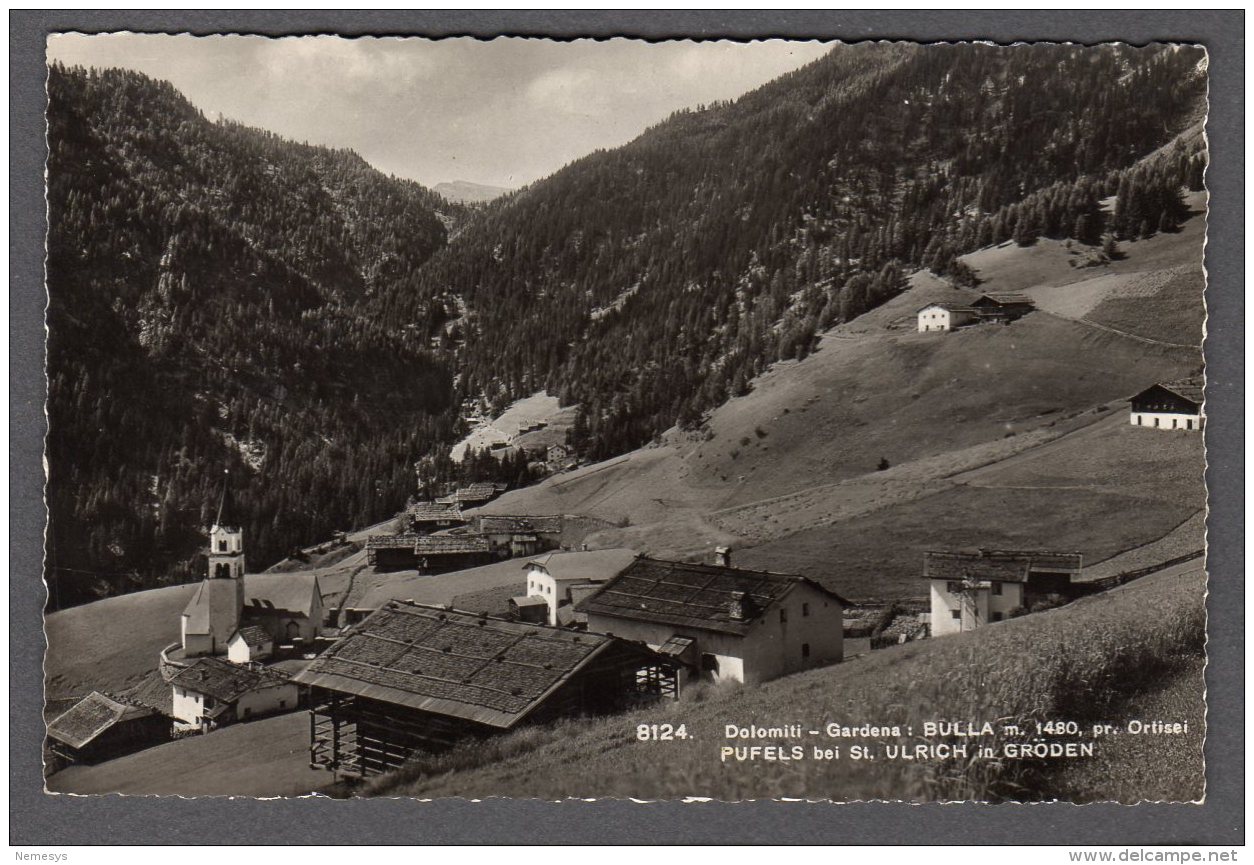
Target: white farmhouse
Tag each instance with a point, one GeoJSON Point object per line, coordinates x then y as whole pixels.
{"type": "Point", "coordinates": [552, 577]}
{"type": "Point", "coordinates": [944, 317]}
{"type": "Point", "coordinates": [972, 589]}
{"type": "Point", "coordinates": [723, 623]}
{"type": "Point", "coordinates": [1170, 405]}
{"type": "Point", "coordinates": [213, 692]}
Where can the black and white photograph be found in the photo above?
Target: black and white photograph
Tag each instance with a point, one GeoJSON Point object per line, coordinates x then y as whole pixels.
{"type": "Point", "coordinates": [670, 420]}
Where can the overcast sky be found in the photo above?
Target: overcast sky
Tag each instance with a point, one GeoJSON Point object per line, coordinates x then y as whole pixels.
{"type": "Point", "coordinates": [503, 112]}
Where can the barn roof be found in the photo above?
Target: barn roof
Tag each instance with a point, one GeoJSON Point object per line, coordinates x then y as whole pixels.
{"type": "Point", "coordinates": [428, 545]}
{"type": "Point", "coordinates": [479, 492]}
{"type": "Point", "coordinates": [428, 512]}
{"type": "Point", "coordinates": [693, 595]}
{"type": "Point", "coordinates": [529, 601]}
{"type": "Point", "coordinates": [589, 565]}
{"type": "Point", "coordinates": [294, 593]}
{"type": "Point", "coordinates": [93, 715]}
{"type": "Point", "coordinates": [225, 681]}
{"type": "Point", "coordinates": [1190, 389]}
{"type": "Point", "coordinates": [490, 524]}
{"type": "Point", "coordinates": [479, 668]}
{"type": "Point", "coordinates": [1002, 566]}
{"type": "Point", "coordinates": [1005, 298]}
{"type": "Point", "coordinates": [952, 307]}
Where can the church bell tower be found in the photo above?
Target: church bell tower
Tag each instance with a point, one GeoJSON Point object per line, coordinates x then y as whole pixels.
{"type": "Point", "coordinates": [226, 541]}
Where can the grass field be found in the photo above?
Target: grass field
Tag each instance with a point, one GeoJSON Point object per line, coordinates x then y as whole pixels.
{"type": "Point", "coordinates": [268, 757]}
{"type": "Point", "coordinates": [1082, 663]}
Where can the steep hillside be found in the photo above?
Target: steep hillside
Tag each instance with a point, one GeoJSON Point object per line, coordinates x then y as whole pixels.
{"type": "Point", "coordinates": [217, 300]}
{"type": "Point", "coordinates": [1097, 660]}
{"type": "Point", "coordinates": [1012, 435]}
{"type": "Point", "coordinates": [651, 282]}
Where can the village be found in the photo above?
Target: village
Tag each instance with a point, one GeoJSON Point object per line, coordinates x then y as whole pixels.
{"type": "Point", "coordinates": [578, 631]}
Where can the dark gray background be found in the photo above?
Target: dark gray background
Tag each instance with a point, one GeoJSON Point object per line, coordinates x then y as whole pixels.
{"type": "Point", "coordinates": [37, 818]}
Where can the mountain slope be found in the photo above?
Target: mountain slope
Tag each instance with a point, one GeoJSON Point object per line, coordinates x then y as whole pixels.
{"type": "Point", "coordinates": [648, 283]}
{"type": "Point", "coordinates": [216, 298]}
{"type": "Point", "coordinates": [1012, 435]}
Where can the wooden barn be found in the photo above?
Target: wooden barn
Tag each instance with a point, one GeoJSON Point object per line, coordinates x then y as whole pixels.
{"type": "Point", "coordinates": [100, 727]}
{"type": "Point", "coordinates": [1003, 307]}
{"type": "Point", "coordinates": [423, 518]}
{"type": "Point", "coordinates": [515, 536]}
{"type": "Point", "coordinates": [1171, 405]}
{"type": "Point", "coordinates": [730, 624]}
{"type": "Point", "coordinates": [413, 677]}
{"type": "Point", "coordinates": [970, 589]}
{"type": "Point", "coordinates": [429, 554]}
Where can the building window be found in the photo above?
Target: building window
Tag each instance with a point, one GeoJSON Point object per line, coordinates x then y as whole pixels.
{"type": "Point", "coordinates": [955, 614]}
{"type": "Point", "coordinates": [282, 704]}
{"type": "Point", "coordinates": [222, 546]}
{"type": "Point", "coordinates": [709, 663]}
{"type": "Point", "coordinates": [996, 617]}
{"type": "Point", "coordinates": [783, 615]}
{"type": "Point", "coordinates": [805, 650]}
{"type": "Point", "coordinates": [996, 588]}
{"type": "Point", "coordinates": [805, 609]}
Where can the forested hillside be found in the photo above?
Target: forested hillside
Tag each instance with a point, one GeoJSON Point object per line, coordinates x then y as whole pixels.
{"type": "Point", "coordinates": [215, 297]}
{"type": "Point", "coordinates": [651, 282]}
{"type": "Point", "coordinates": [223, 299]}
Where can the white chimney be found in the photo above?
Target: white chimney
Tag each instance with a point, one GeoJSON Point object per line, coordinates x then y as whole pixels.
{"type": "Point", "coordinates": [722, 556]}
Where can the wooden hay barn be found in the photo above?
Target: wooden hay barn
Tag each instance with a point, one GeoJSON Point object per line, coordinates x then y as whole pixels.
{"type": "Point", "coordinates": [413, 677]}
{"type": "Point", "coordinates": [429, 554]}
{"type": "Point", "coordinates": [100, 727]}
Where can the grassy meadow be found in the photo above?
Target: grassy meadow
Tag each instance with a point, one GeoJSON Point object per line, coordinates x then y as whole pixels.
{"type": "Point", "coordinates": [1082, 663]}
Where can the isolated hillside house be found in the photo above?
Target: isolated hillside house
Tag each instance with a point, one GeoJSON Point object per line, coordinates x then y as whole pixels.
{"type": "Point", "coordinates": [558, 457]}
{"type": "Point", "coordinates": [972, 589]}
{"type": "Point", "coordinates": [414, 677]}
{"type": "Point", "coordinates": [100, 727]}
{"type": "Point", "coordinates": [516, 536]}
{"type": "Point", "coordinates": [1170, 405]}
{"type": "Point", "coordinates": [727, 623]}
{"type": "Point", "coordinates": [428, 554]}
{"type": "Point", "coordinates": [945, 317]}
{"type": "Point", "coordinates": [553, 576]}
{"type": "Point", "coordinates": [250, 645]}
{"type": "Point", "coordinates": [1002, 307]}
{"type": "Point", "coordinates": [212, 692]}
{"type": "Point", "coordinates": [427, 517]}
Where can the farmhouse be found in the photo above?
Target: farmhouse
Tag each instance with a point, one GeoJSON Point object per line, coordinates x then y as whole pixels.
{"type": "Point", "coordinates": [728, 623]}
{"type": "Point", "coordinates": [1170, 405]}
{"type": "Point", "coordinates": [558, 457]}
{"type": "Point", "coordinates": [427, 517]}
{"type": "Point", "coordinates": [971, 589]}
{"type": "Point", "coordinates": [429, 554]}
{"type": "Point", "coordinates": [414, 677]}
{"type": "Point", "coordinates": [945, 317]}
{"type": "Point", "coordinates": [517, 536]}
{"type": "Point", "coordinates": [552, 577]}
{"type": "Point", "coordinates": [1003, 307]}
{"type": "Point", "coordinates": [100, 727]}
{"type": "Point", "coordinates": [212, 692]}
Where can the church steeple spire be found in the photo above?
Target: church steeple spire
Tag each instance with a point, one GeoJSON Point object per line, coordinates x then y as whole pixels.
{"type": "Point", "coordinates": [226, 506]}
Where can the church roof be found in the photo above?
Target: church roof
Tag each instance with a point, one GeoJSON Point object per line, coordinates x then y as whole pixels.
{"type": "Point", "coordinates": [289, 593]}
{"type": "Point", "coordinates": [211, 594]}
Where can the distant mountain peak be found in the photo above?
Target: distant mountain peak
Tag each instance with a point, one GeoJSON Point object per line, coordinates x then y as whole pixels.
{"type": "Point", "coordinates": [465, 192]}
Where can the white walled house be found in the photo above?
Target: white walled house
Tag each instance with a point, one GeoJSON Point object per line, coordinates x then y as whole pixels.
{"type": "Point", "coordinates": [1177, 405]}
{"type": "Point", "coordinates": [250, 645]}
{"type": "Point", "coordinates": [724, 623]}
{"type": "Point", "coordinates": [212, 692]}
{"type": "Point", "coordinates": [971, 589]}
{"type": "Point", "coordinates": [552, 576]}
{"type": "Point", "coordinates": [944, 317]}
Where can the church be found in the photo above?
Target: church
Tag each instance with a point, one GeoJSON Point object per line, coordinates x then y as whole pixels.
{"type": "Point", "coordinates": [227, 608]}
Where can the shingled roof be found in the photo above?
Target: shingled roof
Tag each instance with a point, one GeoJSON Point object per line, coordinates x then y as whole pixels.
{"type": "Point", "coordinates": [1191, 389]}
{"type": "Point", "coordinates": [479, 668]}
{"type": "Point", "coordinates": [427, 545]}
{"type": "Point", "coordinates": [1002, 566]}
{"type": "Point", "coordinates": [92, 716]}
{"type": "Point", "coordinates": [693, 595]}
{"type": "Point", "coordinates": [225, 681]}
{"type": "Point", "coordinates": [1005, 298]}
{"type": "Point", "coordinates": [493, 524]}
{"type": "Point", "coordinates": [431, 512]}
{"type": "Point", "coordinates": [590, 565]}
